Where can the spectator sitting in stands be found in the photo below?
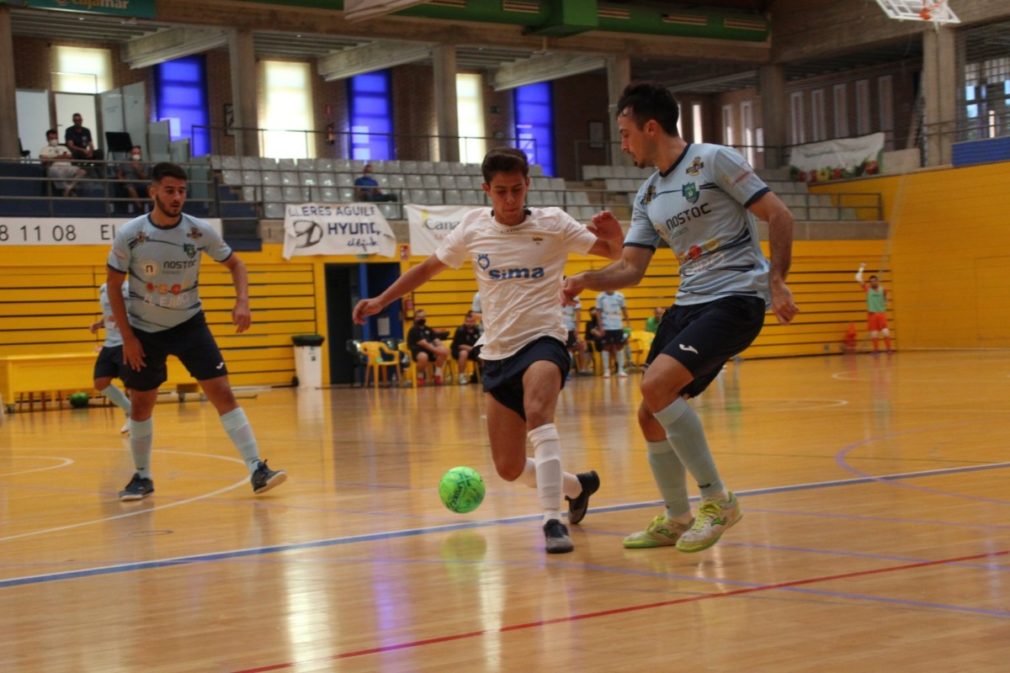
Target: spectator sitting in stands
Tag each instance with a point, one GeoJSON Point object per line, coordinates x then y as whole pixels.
{"type": "Point", "coordinates": [464, 346]}
{"type": "Point", "coordinates": [56, 159]}
{"type": "Point", "coordinates": [134, 175]}
{"type": "Point", "coordinates": [79, 142]}
{"type": "Point", "coordinates": [367, 189]}
{"type": "Point", "coordinates": [426, 346]}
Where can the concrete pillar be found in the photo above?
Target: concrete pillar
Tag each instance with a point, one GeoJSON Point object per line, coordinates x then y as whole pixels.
{"type": "Point", "coordinates": [8, 97]}
{"type": "Point", "coordinates": [774, 112]}
{"type": "Point", "coordinates": [939, 93]}
{"type": "Point", "coordinates": [618, 77]}
{"type": "Point", "coordinates": [446, 111]}
{"type": "Point", "coordinates": [243, 92]}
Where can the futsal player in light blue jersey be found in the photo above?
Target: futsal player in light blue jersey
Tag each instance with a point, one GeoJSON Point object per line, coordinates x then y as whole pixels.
{"type": "Point", "coordinates": [702, 201]}
{"type": "Point", "coordinates": [109, 364]}
{"type": "Point", "coordinates": [159, 254]}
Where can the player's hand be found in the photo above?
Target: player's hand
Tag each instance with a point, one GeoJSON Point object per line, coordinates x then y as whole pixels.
{"type": "Point", "coordinates": [241, 316]}
{"type": "Point", "coordinates": [94, 327]}
{"type": "Point", "coordinates": [365, 308]}
{"type": "Point", "coordinates": [783, 306]}
{"type": "Point", "coordinates": [571, 288]}
{"type": "Point", "coordinates": [133, 353]}
{"type": "Point", "coordinates": [606, 226]}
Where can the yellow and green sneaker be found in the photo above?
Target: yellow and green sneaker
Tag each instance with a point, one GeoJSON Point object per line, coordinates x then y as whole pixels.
{"type": "Point", "coordinates": [660, 533]}
{"type": "Point", "coordinates": [713, 519]}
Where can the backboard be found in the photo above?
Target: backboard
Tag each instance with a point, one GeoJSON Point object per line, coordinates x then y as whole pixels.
{"type": "Point", "coordinates": [937, 11]}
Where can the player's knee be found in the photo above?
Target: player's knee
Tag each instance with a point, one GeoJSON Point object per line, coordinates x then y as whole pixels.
{"type": "Point", "coordinates": [509, 469]}
{"type": "Point", "coordinates": [886, 332]}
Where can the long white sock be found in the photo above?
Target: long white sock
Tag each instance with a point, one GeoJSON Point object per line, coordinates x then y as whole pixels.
{"type": "Point", "coordinates": [117, 397]}
{"type": "Point", "coordinates": [670, 477]}
{"type": "Point", "coordinates": [547, 455]}
{"type": "Point", "coordinates": [620, 360]}
{"type": "Point", "coordinates": [605, 357]}
{"type": "Point", "coordinates": [141, 438]}
{"type": "Point", "coordinates": [237, 426]}
{"type": "Point", "coordinates": [570, 485]}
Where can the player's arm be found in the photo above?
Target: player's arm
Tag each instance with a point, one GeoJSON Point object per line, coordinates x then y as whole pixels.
{"type": "Point", "coordinates": [625, 272]}
{"type": "Point", "coordinates": [859, 275]}
{"type": "Point", "coordinates": [408, 282]}
{"type": "Point", "coordinates": [771, 209]}
{"type": "Point", "coordinates": [241, 316]}
{"type": "Point", "coordinates": [133, 352]}
{"type": "Point", "coordinates": [609, 237]}
{"type": "Point", "coordinates": [95, 326]}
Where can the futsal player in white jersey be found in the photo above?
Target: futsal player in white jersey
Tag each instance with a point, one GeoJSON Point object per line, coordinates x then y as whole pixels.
{"type": "Point", "coordinates": [109, 363]}
{"type": "Point", "coordinates": [518, 257]}
{"type": "Point", "coordinates": [702, 202]}
{"type": "Point", "coordinates": [159, 254]}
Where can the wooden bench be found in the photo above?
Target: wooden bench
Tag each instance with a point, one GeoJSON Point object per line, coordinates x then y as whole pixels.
{"type": "Point", "coordinates": [49, 376]}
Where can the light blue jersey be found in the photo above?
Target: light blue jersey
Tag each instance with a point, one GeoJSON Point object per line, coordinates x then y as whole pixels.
{"type": "Point", "coordinates": [112, 336]}
{"type": "Point", "coordinates": [568, 314]}
{"type": "Point", "coordinates": [163, 265]}
{"type": "Point", "coordinates": [612, 308]}
{"type": "Point", "coordinates": [699, 207]}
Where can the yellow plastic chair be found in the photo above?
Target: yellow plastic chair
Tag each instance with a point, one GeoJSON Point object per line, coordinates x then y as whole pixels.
{"type": "Point", "coordinates": [411, 373]}
{"type": "Point", "coordinates": [640, 342]}
{"type": "Point", "coordinates": [374, 351]}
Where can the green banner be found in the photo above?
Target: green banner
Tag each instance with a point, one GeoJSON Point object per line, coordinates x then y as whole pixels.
{"type": "Point", "coordinates": [139, 8]}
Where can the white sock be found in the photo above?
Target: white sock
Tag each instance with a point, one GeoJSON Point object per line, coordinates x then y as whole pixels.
{"type": "Point", "coordinates": [237, 426]}
{"type": "Point", "coordinates": [570, 485]}
{"type": "Point", "coordinates": [547, 455]}
{"type": "Point", "coordinates": [117, 397]}
{"type": "Point", "coordinates": [605, 356]}
{"type": "Point", "coordinates": [141, 439]}
{"type": "Point", "coordinates": [620, 360]}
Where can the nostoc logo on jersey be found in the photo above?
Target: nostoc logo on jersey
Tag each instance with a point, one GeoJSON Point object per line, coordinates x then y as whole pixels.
{"type": "Point", "coordinates": [685, 216]}
{"type": "Point", "coordinates": [176, 264]}
{"type": "Point", "coordinates": [516, 273]}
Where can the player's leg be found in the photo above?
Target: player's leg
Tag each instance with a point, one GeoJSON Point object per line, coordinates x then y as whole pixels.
{"type": "Point", "coordinates": [462, 354]}
{"type": "Point", "coordinates": [871, 323]}
{"type": "Point", "coordinates": [422, 363]}
{"type": "Point", "coordinates": [196, 349]}
{"type": "Point", "coordinates": [108, 365]}
{"type": "Point", "coordinates": [143, 387]}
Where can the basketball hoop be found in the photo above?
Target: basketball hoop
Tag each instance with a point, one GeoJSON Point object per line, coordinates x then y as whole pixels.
{"type": "Point", "coordinates": [936, 11]}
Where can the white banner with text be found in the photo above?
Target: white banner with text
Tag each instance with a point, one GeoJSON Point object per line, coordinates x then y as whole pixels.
{"type": "Point", "coordinates": [336, 229]}
{"type": "Point", "coordinates": [836, 159]}
{"type": "Point", "coordinates": [65, 230]}
{"type": "Point", "coordinates": [430, 224]}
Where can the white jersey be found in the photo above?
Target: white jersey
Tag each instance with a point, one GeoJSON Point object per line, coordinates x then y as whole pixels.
{"type": "Point", "coordinates": [519, 271]}
{"type": "Point", "coordinates": [612, 308]}
{"type": "Point", "coordinates": [112, 336]}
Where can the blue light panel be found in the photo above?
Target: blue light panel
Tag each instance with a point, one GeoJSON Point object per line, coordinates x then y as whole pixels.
{"type": "Point", "coordinates": [181, 94]}
{"type": "Point", "coordinates": [371, 116]}
{"type": "Point", "coordinates": [535, 124]}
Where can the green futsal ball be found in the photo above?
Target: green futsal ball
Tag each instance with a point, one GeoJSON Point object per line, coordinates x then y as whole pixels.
{"type": "Point", "coordinates": [79, 400]}
{"type": "Point", "coordinates": [461, 489]}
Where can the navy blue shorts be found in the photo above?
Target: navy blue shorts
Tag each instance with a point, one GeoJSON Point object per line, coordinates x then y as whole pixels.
{"type": "Point", "coordinates": [109, 363]}
{"type": "Point", "coordinates": [504, 378]}
{"type": "Point", "coordinates": [702, 337]}
{"type": "Point", "coordinates": [614, 337]}
{"type": "Point", "coordinates": [190, 341]}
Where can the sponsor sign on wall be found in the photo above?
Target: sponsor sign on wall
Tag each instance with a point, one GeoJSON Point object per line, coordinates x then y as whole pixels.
{"type": "Point", "coordinates": [430, 224]}
{"type": "Point", "coordinates": [337, 229]}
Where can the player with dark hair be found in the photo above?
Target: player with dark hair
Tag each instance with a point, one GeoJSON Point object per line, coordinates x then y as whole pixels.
{"type": "Point", "coordinates": [518, 256]}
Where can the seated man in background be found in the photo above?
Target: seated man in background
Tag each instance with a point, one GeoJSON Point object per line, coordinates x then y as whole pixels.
{"type": "Point", "coordinates": [594, 330]}
{"type": "Point", "coordinates": [464, 346]}
{"type": "Point", "coordinates": [366, 188]}
{"type": "Point", "coordinates": [426, 346]}
{"type": "Point", "coordinates": [135, 175]}
{"type": "Point", "coordinates": [56, 160]}
{"type": "Point", "coordinates": [81, 145]}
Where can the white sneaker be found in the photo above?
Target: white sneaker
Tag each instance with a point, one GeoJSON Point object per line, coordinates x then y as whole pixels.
{"type": "Point", "coordinates": [463, 379]}
{"type": "Point", "coordinates": [125, 429]}
{"type": "Point", "coordinates": [622, 374]}
{"type": "Point", "coordinates": [714, 518]}
{"type": "Point", "coordinates": [606, 374]}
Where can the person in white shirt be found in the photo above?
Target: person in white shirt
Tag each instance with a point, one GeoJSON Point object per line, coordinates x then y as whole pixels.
{"type": "Point", "coordinates": [518, 257]}
{"type": "Point", "coordinates": [56, 159]}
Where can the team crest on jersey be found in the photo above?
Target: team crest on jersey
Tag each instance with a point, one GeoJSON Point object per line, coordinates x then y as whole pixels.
{"type": "Point", "coordinates": [194, 233]}
{"type": "Point", "coordinates": [650, 194]}
{"type": "Point", "coordinates": [190, 249]}
{"type": "Point", "coordinates": [695, 167]}
{"type": "Point", "coordinates": [137, 240]}
{"type": "Point", "coordinates": [690, 192]}
{"type": "Point", "coordinates": [483, 261]}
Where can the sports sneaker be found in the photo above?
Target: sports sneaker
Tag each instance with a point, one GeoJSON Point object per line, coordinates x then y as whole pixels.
{"type": "Point", "coordinates": [713, 519]}
{"type": "Point", "coordinates": [125, 430]}
{"type": "Point", "coordinates": [264, 479]}
{"type": "Point", "coordinates": [579, 505]}
{"type": "Point", "coordinates": [138, 488]}
{"type": "Point", "coordinates": [556, 535]}
{"type": "Point", "coordinates": [438, 380]}
{"type": "Point", "coordinates": [606, 374]}
{"type": "Point", "coordinates": [661, 532]}
{"type": "Point", "coordinates": [463, 379]}
{"type": "Point", "coordinates": [622, 374]}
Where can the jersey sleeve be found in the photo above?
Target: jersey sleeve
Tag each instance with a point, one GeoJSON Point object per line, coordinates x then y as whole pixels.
{"type": "Point", "coordinates": [218, 250]}
{"type": "Point", "coordinates": [641, 233]}
{"type": "Point", "coordinates": [736, 177]}
{"type": "Point", "coordinates": [119, 255]}
{"type": "Point", "coordinates": [452, 250]}
{"type": "Point", "coordinates": [576, 236]}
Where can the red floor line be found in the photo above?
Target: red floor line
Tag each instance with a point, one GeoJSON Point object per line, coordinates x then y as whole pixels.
{"type": "Point", "coordinates": [636, 608]}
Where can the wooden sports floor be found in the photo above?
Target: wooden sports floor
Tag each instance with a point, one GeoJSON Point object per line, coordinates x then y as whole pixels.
{"type": "Point", "coordinates": [875, 537]}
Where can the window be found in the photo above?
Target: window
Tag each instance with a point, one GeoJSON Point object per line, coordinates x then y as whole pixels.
{"type": "Point", "coordinates": [796, 119]}
{"type": "Point", "coordinates": [841, 111]}
{"type": "Point", "coordinates": [728, 137]}
{"type": "Point", "coordinates": [885, 95]}
{"type": "Point", "coordinates": [535, 124]}
{"type": "Point", "coordinates": [863, 107]}
{"type": "Point", "coordinates": [371, 117]}
{"type": "Point", "coordinates": [470, 112]}
{"type": "Point", "coordinates": [288, 104]}
{"type": "Point", "coordinates": [747, 126]}
{"type": "Point", "coordinates": [818, 130]}
{"type": "Point", "coordinates": [696, 122]}
{"type": "Point", "coordinates": [81, 70]}
{"type": "Point", "coordinates": [181, 90]}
